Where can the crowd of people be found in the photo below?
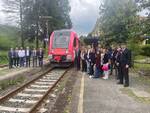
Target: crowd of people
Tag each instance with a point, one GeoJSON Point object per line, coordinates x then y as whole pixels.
{"type": "Point", "coordinates": [20, 57]}
{"type": "Point", "coordinates": [100, 62]}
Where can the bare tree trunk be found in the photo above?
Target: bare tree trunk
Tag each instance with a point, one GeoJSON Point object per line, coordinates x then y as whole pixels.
{"type": "Point", "coordinates": [21, 24]}
{"type": "Point", "coordinates": [37, 24]}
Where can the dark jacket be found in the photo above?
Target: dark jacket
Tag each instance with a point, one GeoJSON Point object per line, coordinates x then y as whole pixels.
{"type": "Point", "coordinates": [115, 53]}
{"type": "Point", "coordinates": [92, 57]}
{"type": "Point", "coordinates": [16, 54]}
{"type": "Point", "coordinates": [11, 54]}
{"type": "Point", "coordinates": [40, 54]}
{"type": "Point", "coordinates": [29, 53]}
{"type": "Point", "coordinates": [118, 57]}
{"type": "Point", "coordinates": [106, 58]}
{"type": "Point", "coordinates": [98, 62]}
{"type": "Point", "coordinates": [85, 57]}
{"type": "Point", "coordinates": [34, 53]}
{"type": "Point", "coordinates": [125, 58]}
{"type": "Point", "coordinates": [78, 54]}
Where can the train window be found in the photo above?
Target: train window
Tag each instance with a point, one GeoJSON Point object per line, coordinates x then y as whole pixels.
{"type": "Point", "coordinates": [61, 39]}
{"type": "Point", "coordinates": [74, 42]}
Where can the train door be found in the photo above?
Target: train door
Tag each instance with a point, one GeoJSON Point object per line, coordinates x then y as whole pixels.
{"type": "Point", "coordinates": [74, 47]}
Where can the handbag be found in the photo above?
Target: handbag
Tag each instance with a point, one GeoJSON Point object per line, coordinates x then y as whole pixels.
{"type": "Point", "coordinates": [105, 67]}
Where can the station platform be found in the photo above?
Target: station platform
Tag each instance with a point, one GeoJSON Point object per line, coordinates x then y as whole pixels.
{"type": "Point", "coordinates": [105, 96]}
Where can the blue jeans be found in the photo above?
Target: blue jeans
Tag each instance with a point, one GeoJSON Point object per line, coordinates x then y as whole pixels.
{"type": "Point", "coordinates": [88, 67]}
{"type": "Point", "coordinates": [91, 69]}
{"type": "Point", "coordinates": [97, 72]}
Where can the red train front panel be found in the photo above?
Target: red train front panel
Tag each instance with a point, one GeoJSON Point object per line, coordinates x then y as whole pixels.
{"type": "Point", "coordinates": [62, 47]}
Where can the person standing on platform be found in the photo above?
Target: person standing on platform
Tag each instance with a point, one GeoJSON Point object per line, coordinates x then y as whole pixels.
{"type": "Point", "coordinates": [21, 54]}
{"type": "Point", "coordinates": [40, 57]}
{"type": "Point", "coordinates": [97, 71]}
{"type": "Point", "coordinates": [34, 57]}
{"type": "Point", "coordinates": [118, 64]}
{"type": "Point", "coordinates": [106, 64]}
{"type": "Point", "coordinates": [87, 60]}
{"type": "Point", "coordinates": [116, 51]}
{"type": "Point", "coordinates": [78, 58]}
{"type": "Point", "coordinates": [83, 60]}
{"type": "Point", "coordinates": [11, 58]}
{"type": "Point", "coordinates": [92, 62]}
{"type": "Point", "coordinates": [16, 57]}
{"type": "Point", "coordinates": [27, 56]}
{"type": "Point", "coordinates": [125, 61]}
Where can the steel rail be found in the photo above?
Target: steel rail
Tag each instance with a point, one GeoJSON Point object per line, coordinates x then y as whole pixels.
{"type": "Point", "coordinates": [38, 104]}
{"type": "Point", "coordinates": [12, 93]}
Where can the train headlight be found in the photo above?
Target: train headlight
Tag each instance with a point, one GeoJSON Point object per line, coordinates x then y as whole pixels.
{"type": "Point", "coordinates": [50, 56]}
{"type": "Point", "coordinates": [52, 51]}
{"type": "Point", "coordinates": [69, 57]}
{"type": "Point", "coordinates": [67, 52]}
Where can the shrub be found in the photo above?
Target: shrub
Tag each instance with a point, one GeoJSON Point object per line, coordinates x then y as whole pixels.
{"type": "Point", "coordinates": [145, 50]}
{"type": "Point", "coordinates": [134, 47]}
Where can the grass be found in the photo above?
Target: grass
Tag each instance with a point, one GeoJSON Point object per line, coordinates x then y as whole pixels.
{"type": "Point", "coordinates": [140, 57]}
{"type": "Point", "coordinates": [7, 83]}
{"type": "Point", "coordinates": [3, 57]}
{"type": "Point", "coordinates": [5, 71]}
{"type": "Point", "coordinates": [143, 80]}
{"type": "Point", "coordinates": [130, 93]}
{"type": "Point", "coordinates": [139, 66]}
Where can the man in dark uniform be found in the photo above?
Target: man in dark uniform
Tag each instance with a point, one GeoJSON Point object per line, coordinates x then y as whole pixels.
{"type": "Point", "coordinates": [40, 57]}
{"type": "Point", "coordinates": [125, 63]}
{"type": "Point", "coordinates": [27, 55]}
{"type": "Point", "coordinates": [118, 64]}
{"type": "Point", "coordinates": [114, 66]}
{"type": "Point", "coordinates": [11, 57]}
{"type": "Point", "coordinates": [16, 57]}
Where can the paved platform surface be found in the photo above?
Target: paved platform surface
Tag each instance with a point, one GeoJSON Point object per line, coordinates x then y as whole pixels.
{"type": "Point", "coordinates": [104, 96]}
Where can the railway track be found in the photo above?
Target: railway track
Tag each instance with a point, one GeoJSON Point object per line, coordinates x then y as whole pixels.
{"type": "Point", "coordinates": [29, 97]}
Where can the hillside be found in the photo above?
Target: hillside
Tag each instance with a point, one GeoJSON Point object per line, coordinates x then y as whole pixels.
{"type": "Point", "coordinates": [8, 37]}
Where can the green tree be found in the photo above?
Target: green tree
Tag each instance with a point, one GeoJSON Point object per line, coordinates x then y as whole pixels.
{"type": "Point", "coordinates": [145, 4]}
{"type": "Point", "coordinates": [119, 20]}
{"type": "Point", "coordinates": [33, 25]}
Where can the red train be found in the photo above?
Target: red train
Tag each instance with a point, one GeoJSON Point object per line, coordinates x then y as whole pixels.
{"type": "Point", "coordinates": [63, 46]}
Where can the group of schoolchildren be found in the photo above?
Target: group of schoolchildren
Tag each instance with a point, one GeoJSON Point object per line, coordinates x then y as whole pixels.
{"type": "Point", "coordinates": [20, 57]}
{"type": "Point", "coordinates": [99, 62]}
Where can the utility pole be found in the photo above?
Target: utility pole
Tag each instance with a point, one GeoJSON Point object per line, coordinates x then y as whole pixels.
{"type": "Point", "coordinates": [47, 19]}
{"type": "Point", "coordinates": [22, 39]}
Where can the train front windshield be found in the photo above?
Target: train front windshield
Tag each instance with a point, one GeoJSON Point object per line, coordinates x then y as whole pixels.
{"type": "Point", "coordinates": [61, 39]}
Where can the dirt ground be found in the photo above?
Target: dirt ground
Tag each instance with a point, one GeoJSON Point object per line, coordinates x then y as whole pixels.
{"type": "Point", "coordinates": [25, 77]}
{"type": "Point", "coordinates": [65, 95]}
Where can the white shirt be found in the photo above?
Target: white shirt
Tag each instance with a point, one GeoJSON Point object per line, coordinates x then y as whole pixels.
{"type": "Point", "coordinates": [27, 52]}
{"type": "Point", "coordinates": [102, 56]}
{"type": "Point", "coordinates": [21, 53]}
{"type": "Point", "coordinates": [82, 55]}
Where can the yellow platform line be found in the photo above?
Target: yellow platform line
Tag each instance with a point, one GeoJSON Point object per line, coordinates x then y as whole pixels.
{"type": "Point", "coordinates": [80, 104]}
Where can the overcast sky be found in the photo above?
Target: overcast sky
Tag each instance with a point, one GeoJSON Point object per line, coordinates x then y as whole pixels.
{"type": "Point", "coordinates": [1, 14]}
{"type": "Point", "coordinates": [84, 14]}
